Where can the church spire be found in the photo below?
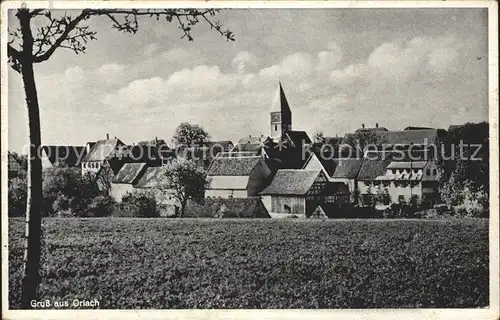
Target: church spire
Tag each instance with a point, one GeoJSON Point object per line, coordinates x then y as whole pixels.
{"type": "Point", "coordinates": [281, 115]}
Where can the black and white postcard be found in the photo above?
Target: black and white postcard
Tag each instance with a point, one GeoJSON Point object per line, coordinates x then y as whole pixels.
{"type": "Point", "coordinates": [244, 159]}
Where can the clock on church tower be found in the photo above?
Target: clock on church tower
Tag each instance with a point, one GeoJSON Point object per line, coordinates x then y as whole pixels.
{"type": "Point", "coordinates": [276, 117]}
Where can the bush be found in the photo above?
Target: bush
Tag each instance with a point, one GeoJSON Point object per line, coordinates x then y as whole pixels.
{"type": "Point", "coordinates": [18, 192]}
{"type": "Point", "coordinates": [138, 204]}
{"type": "Point", "coordinates": [101, 206]}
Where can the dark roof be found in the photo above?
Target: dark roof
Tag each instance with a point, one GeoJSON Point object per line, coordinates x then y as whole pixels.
{"type": "Point", "coordinates": [347, 168]}
{"type": "Point", "coordinates": [417, 128]}
{"type": "Point", "coordinates": [291, 182]}
{"type": "Point", "coordinates": [129, 173]}
{"type": "Point", "coordinates": [234, 166]}
{"type": "Point", "coordinates": [236, 154]}
{"type": "Point", "coordinates": [227, 208]}
{"type": "Point", "coordinates": [410, 137]}
{"type": "Point", "coordinates": [223, 145]}
{"type": "Point", "coordinates": [372, 169]}
{"type": "Point", "coordinates": [376, 129]}
{"type": "Point", "coordinates": [335, 188]}
{"type": "Point", "coordinates": [298, 138]}
{"type": "Point", "coordinates": [102, 149]}
{"type": "Point", "coordinates": [69, 155]}
{"type": "Point", "coordinates": [154, 142]}
{"type": "Point", "coordinates": [152, 177]}
{"type": "Point", "coordinates": [405, 137]}
{"type": "Point", "coordinates": [407, 165]}
{"type": "Point", "coordinates": [13, 164]}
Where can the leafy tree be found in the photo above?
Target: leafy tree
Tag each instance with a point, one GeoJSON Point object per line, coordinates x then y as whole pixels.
{"type": "Point", "coordinates": [27, 47]}
{"type": "Point", "coordinates": [188, 134]}
{"type": "Point", "coordinates": [319, 138]}
{"type": "Point", "coordinates": [465, 181]}
{"type": "Point", "coordinates": [359, 141]}
{"type": "Point", "coordinates": [17, 196]}
{"type": "Point", "coordinates": [187, 181]}
{"type": "Point", "coordinates": [139, 204]}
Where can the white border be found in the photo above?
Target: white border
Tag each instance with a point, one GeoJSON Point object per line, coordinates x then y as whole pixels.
{"type": "Point", "coordinates": [490, 313]}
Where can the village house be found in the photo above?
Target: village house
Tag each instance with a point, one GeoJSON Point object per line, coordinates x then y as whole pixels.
{"type": "Point", "coordinates": [384, 182]}
{"type": "Point", "coordinates": [237, 177]}
{"type": "Point", "coordinates": [98, 154]}
{"type": "Point", "coordinates": [294, 192]}
{"type": "Point", "coordinates": [125, 180]}
{"type": "Point", "coordinates": [154, 182]}
{"type": "Point", "coordinates": [14, 167]}
{"type": "Point", "coordinates": [68, 156]}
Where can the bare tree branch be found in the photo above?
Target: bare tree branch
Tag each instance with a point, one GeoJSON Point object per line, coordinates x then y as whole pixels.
{"type": "Point", "coordinates": [71, 24]}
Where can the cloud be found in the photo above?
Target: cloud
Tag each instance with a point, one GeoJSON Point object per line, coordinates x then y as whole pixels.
{"type": "Point", "coordinates": [245, 62]}
{"type": "Point", "coordinates": [150, 49]}
{"type": "Point", "coordinates": [328, 60]}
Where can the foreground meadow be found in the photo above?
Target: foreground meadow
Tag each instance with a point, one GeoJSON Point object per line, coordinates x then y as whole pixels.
{"type": "Point", "coordinates": [189, 263]}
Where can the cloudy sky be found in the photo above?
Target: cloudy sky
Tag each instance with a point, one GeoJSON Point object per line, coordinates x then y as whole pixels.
{"type": "Point", "coordinates": [339, 68]}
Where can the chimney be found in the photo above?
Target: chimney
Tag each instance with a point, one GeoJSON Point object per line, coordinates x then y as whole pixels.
{"type": "Point", "coordinates": [376, 125]}
{"type": "Point", "coordinates": [107, 136]}
{"type": "Point", "coordinates": [363, 125]}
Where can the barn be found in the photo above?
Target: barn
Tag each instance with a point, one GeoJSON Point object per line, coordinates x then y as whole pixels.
{"type": "Point", "coordinates": [237, 177]}
{"type": "Point", "coordinates": [294, 192]}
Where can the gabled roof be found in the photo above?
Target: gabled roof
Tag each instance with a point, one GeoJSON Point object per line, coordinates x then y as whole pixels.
{"type": "Point", "coordinates": [409, 137]}
{"type": "Point", "coordinates": [298, 138]}
{"type": "Point", "coordinates": [69, 155]}
{"type": "Point", "coordinates": [13, 164]}
{"type": "Point", "coordinates": [152, 177]}
{"type": "Point", "coordinates": [223, 145]}
{"type": "Point", "coordinates": [347, 168]}
{"type": "Point", "coordinates": [234, 166]}
{"type": "Point", "coordinates": [328, 165]}
{"type": "Point", "coordinates": [129, 173]}
{"type": "Point", "coordinates": [249, 144]}
{"type": "Point", "coordinates": [291, 182]}
{"type": "Point", "coordinates": [371, 169]}
{"type": "Point", "coordinates": [102, 149]}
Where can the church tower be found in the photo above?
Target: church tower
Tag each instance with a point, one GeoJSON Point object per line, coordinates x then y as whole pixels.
{"type": "Point", "coordinates": [281, 115]}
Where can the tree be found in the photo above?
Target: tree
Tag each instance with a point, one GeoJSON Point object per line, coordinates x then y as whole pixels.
{"type": "Point", "coordinates": [188, 134]}
{"type": "Point", "coordinates": [25, 48]}
{"type": "Point", "coordinates": [319, 137]}
{"type": "Point", "coordinates": [186, 181]}
{"type": "Point", "coordinates": [359, 141]}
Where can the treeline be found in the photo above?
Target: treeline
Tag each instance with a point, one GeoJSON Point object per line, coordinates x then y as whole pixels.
{"type": "Point", "coordinates": [465, 182]}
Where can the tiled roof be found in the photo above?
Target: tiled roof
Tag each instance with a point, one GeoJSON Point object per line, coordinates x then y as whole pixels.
{"type": "Point", "coordinates": [407, 165]}
{"type": "Point", "coordinates": [371, 169]}
{"type": "Point", "coordinates": [234, 166]}
{"type": "Point", "coordinates": [69, 155]}
{"type": "Point", "coordinates": [102, 149]}
{"type": "Point", "coordinates": [13, 164]}
{"type": "Point", "coordinates": [152, 177]}
{"type": "Point", "coordinates": [347, 168]}
{"type": "Point", "coordinates": [299, 138]}
{"type": "Point", "coordinates": [129, 173]}
{"type": "Point", "coordinates": [291, 182]}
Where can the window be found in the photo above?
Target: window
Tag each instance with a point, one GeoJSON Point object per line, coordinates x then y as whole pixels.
{"type": "Point", "coordinates": [434, 172]}
{"type": "Point", "coordinates": [287, 208]}
{"type": "Point", "coordinates": [275, 128]}
{"type": "Point", "coordinates": [385, 184]}
{"type": "Point", "coordinates": [428, 172]}
{"type": "Point", "coordinates": [367, 183]}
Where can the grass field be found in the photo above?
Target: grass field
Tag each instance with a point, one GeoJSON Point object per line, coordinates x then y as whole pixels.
{"type": "Point", "coordinates": [187, 263]}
